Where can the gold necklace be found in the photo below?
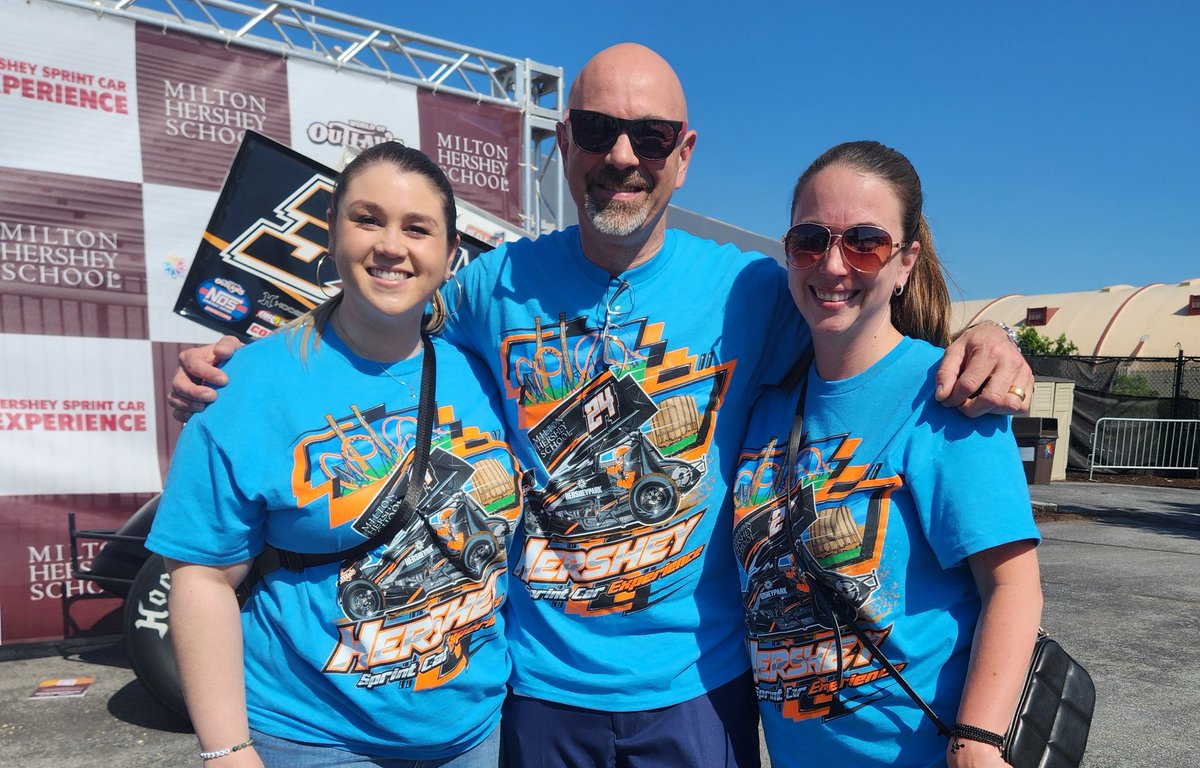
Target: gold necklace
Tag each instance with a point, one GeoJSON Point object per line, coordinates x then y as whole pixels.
{"type": "Point", "coordinates": [345, 337]}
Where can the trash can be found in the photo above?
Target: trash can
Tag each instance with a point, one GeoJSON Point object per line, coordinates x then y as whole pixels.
{"type": "Point", "coordinates": [1036, 437]}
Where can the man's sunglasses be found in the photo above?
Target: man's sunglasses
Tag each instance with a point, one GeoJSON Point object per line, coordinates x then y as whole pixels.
{"type": "Point", "coordinates": [651, 138]}
{"type": "Point", "coordinates": [865, 248]}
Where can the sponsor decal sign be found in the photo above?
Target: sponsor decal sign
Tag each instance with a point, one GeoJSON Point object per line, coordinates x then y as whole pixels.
{"type": "Point", "coordinates": [261, 261]}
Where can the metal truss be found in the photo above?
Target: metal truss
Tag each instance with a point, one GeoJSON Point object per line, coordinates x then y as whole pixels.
{"type": "Point", "coordinates": [300, 30]}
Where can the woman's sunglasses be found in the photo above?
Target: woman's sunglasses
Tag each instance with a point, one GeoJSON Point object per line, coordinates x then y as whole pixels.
{"type": "Point", "coordinates": [865, 248]}
{"type": "Point", "coordinates": [651, 138]}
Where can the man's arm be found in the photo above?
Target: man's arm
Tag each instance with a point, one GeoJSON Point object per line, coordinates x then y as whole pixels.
{"type": "Point", "coordinates": [984, 372]}
{"type": "Point", "coordinates": [193, 387]}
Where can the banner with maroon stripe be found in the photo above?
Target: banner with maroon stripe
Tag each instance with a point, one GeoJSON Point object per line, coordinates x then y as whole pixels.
{"type": "Point", "coordinates": [116, 139]}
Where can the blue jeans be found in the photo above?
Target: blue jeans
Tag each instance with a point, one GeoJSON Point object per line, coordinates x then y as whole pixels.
{"type": "Point", "coordinates": [281, 753]}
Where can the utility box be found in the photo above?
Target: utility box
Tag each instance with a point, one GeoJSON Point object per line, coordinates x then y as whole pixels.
{"type": "Point", "coordinates": [1036, 439]}
{"type": "Point", "coordinates": [1055, 398]}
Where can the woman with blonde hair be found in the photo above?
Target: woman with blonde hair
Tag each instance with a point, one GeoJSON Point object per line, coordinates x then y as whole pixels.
{"type": "Point", "coordinates": [367, 458]}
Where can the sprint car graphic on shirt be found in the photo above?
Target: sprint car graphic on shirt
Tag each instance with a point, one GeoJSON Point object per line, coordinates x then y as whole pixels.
{"type": "Point", "coordinates": [832, 534]}
{"type": "Point", "coordinates": [782, 570]}
{"type": "Point", "coordinates": [450, 540]}
{"type": "Point", "coordinates": [414, 610]}
{"type": "Point", "coordinates": [620, 425]}
{"type": "Point", "coordinates": [605, 472]}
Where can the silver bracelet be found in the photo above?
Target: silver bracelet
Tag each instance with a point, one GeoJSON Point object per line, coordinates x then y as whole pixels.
{"type": "Point", "coordinates": [226, 751]}
{"type": "Point", "coordinates": [1012, 333]}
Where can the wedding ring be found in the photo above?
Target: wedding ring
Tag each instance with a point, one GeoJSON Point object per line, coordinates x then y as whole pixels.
{"type": "Point", "coordinates": [1018, 392]}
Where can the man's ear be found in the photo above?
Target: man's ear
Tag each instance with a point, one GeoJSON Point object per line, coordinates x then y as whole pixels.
{"type": "Point", "coordinates": [685, 157]}
{"type": "Point", "coordinates": [563, 140]}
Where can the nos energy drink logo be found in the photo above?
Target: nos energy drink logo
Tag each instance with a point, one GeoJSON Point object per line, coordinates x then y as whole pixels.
{"type": "Point", "coordinates": [223, 299]}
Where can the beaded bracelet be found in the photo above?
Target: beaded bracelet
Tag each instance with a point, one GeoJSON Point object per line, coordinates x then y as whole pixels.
{"type": "Point", "coordinates": [971, 733]}
{"type": "Point", "coordinates": [226, 751]}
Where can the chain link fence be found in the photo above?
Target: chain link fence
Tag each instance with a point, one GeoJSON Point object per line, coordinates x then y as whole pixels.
{"type": "Point", "coordinates": [1136, 388]}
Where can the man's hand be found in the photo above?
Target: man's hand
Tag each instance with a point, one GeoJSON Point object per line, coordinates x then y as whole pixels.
{"type": "Point", "coordinates": [194, 382]}
{"type": "Point", "coordinates": [984, 372]}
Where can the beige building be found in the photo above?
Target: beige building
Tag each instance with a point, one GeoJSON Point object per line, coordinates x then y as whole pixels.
{"type": "Point", "coordinates": [1156, 320]}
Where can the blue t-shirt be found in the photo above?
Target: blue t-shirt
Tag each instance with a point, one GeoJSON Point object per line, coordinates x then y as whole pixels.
{"type": "Point", "coordinates": [627, 397]}
{"type": "Point", "coordinates": [401, 653]}
{"type": "Point", "coordinates": [904, 490]}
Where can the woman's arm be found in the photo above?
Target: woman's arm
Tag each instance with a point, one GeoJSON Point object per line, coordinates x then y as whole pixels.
{"type": "Point", "coordinates": [1010, 586]}
{"type": "Point", "coordinates": [206, 630]}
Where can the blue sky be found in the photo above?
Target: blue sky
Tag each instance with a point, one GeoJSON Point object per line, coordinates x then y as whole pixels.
{"type": "Point", "coordinates": [1057, 141]}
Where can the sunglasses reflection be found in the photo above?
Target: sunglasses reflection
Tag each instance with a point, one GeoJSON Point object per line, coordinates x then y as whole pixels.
{"type": "Point", "coordinates": [865, 247]}
{"type": "Point", "coordinates": [650, 138]}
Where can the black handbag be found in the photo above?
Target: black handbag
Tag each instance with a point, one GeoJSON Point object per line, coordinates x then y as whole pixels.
{"type": "Point", "coordinates": [1050, 726]}
{"type": "Point", "coordinates": [1054, 714]}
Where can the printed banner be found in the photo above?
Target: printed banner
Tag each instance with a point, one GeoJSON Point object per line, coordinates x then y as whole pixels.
{"type": "Point", "coordinates": [479, 147]}
{"type": "Point", "coordinates": [77, 416]}
{"type": "Point", "coordinates": [174, 219]}
{"type": "Point", "coordinates": [197, 100]}
{"type": "Point", "coordinates": [68, 104]}
{"type": "Point", "coordinates": [118, 140]}
{"type": "Point", "coordinates": [84, 269]}
{"type": "Point", "coordinates": [337, 114]}
{"type": "Point", "coordinates": [39, 594]}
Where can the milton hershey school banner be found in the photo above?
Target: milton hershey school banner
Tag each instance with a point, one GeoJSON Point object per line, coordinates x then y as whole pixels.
{"type": "Point", "coordinates": [115, 142]}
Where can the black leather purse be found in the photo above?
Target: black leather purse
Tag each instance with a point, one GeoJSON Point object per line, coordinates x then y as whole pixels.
{"type": "Point", "coordinates": [1053, 717]}
{"type": "Point", "coordinates": [1054, 714]}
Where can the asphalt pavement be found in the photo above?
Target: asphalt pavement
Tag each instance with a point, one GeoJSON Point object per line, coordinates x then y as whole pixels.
{"type": "Point", "coordinates": [1119, 570]}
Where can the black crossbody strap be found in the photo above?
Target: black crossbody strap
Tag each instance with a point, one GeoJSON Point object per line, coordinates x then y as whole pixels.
{"type": "Point", "coordinates": [273, 558]}
{"type": "Point", "coordinates": [830, 595]}
{"type": "Point", "coordinates": [877, 654]}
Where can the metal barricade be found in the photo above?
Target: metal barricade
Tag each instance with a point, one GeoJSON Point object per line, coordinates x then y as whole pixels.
{"type": "Point", "coordinates": [1119, 443]}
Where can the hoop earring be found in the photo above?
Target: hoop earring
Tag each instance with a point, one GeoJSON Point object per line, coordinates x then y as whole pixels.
{"type": "Point", "coordinates": [899, 290]}
{"type": "Point", "coordinates": [452, 309]}
{"type": "Point", "coordinates": [320, 282]}
{"type": "Point", "coordinates": [440, 312]}
{"type": "Point", "coordinates": [435, 321]}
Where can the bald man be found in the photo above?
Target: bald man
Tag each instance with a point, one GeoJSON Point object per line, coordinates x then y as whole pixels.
{"type": "Point", "coordinates": [628, 355]}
